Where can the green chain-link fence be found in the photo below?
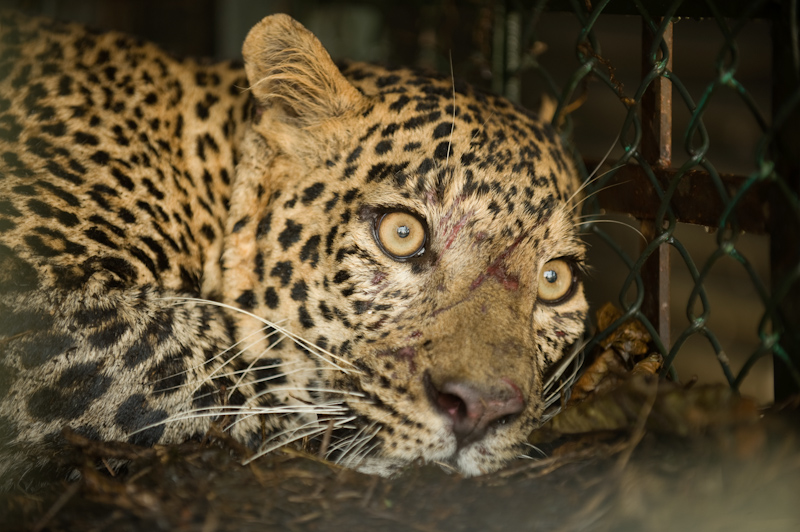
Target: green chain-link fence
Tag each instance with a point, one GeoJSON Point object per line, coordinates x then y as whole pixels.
{"type": "Point", "coordinates": [662, 189]}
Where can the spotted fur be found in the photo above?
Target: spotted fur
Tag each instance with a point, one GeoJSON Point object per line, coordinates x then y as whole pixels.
{"type": "Point", "coordinates": [185, 243]}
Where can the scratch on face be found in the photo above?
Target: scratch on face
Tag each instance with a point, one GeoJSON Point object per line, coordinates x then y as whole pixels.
{"type": "Point", "coordinates": [455, 230]}
{"type": "Point", "coordinates": [497, 269]}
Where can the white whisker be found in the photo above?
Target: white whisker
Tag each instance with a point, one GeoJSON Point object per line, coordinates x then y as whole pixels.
{"type": "Point", "coordinates": [238, 372]}
{"type": "Point", "coordinates": [559, 378]}
{"type": "Point", "coordinates": [617, 222]}
{"type": "Point", "coordinates": [249, 368]}
{"type": "Point", "coordinates": [248, 411]}
{"type": "Point", "coordinates": [591, 177]}
{"type": "Point", "coordinates": [215, 357]}
{"type": "Point", "coordinates": [453, 123]}
{"type": "Point", "coordinates": [293, 438]}
{"type": "Point", "coordinates": [607, 187]}
{"type": "Point", "coordinates": [333, 409]}
{"type": "Point", "coordinates": [295, 338]}
{"type": "Point", "coordinates": [358, 451]}
{"type": "Point", "coordinates": [348, 443]}
{"type": "Point", "coordinates": [305, 389]}
{"type": "Point", "coordinates": [211, 376]}
{"type": "Point", "coordinates": [240, 384]}
{"type": "Point", "coordinates": [319, 429]}
{"type": "Point", "coordinates": [538, 451]}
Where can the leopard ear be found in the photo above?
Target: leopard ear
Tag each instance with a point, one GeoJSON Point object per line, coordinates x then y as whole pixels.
{"type": "Point", "coordinates": [288, 68]}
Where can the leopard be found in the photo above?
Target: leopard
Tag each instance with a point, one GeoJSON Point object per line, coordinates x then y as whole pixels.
{"type": "Point", "coordinates": [383, 262]}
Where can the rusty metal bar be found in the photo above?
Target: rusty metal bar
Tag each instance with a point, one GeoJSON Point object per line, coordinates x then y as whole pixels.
{"type": "Point", "coordinates": [656, 147]}
{"type": "Point", "coordinates": [696, 201]}
{"type": "Point", "coordinates": [784, 225]}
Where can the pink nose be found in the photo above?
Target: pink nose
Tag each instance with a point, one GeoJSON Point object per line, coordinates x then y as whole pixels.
{"type": "Point", "coordinates": [473, 409]}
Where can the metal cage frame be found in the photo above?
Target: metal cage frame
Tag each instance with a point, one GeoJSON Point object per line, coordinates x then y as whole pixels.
{"type": "Point", "coordinates": [659, 195]}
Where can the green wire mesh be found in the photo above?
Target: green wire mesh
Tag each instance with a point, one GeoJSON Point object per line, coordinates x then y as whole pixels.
{"type": "Point", "coordinates": [778, 327]}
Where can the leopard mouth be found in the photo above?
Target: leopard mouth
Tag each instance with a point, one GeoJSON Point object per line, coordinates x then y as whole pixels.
{"type": "Point", "coordinates": [464, 427]}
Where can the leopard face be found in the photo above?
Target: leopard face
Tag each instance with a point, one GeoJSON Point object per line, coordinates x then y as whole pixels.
{"type": "Point", "coordinates": [385, 260]}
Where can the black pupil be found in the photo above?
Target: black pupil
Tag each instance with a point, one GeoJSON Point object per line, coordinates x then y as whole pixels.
{"type": "Point", "coordinates": [403, 231]}
{"type": "Point", "coordinates": [550, 276]}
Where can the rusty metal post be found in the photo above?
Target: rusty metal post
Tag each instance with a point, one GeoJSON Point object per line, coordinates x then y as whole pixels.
{"type": "Point", "coordinates": [656, 147]}
{"type": "Point", "coordinates": [784, 225]}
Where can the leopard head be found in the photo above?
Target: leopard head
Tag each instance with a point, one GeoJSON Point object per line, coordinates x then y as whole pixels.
{"type": "Point", "coordinates": [413, 243]}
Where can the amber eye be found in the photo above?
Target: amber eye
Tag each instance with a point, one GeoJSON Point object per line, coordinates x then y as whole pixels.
{"type": "Point", "coordinates": [555, 281]}
{"type": "Point", "coordinates": [401, 235]}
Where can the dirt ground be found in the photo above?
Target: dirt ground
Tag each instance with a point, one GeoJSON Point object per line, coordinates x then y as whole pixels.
{"type": "Point", "coordinates": [743, 478]}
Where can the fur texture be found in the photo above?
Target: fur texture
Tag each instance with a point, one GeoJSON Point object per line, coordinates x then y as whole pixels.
{"type": "Point", "coordinates": [181, 245]}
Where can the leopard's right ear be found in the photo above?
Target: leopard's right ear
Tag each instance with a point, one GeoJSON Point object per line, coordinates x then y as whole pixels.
{"type": "Point", "coordinates": [290, 71]}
